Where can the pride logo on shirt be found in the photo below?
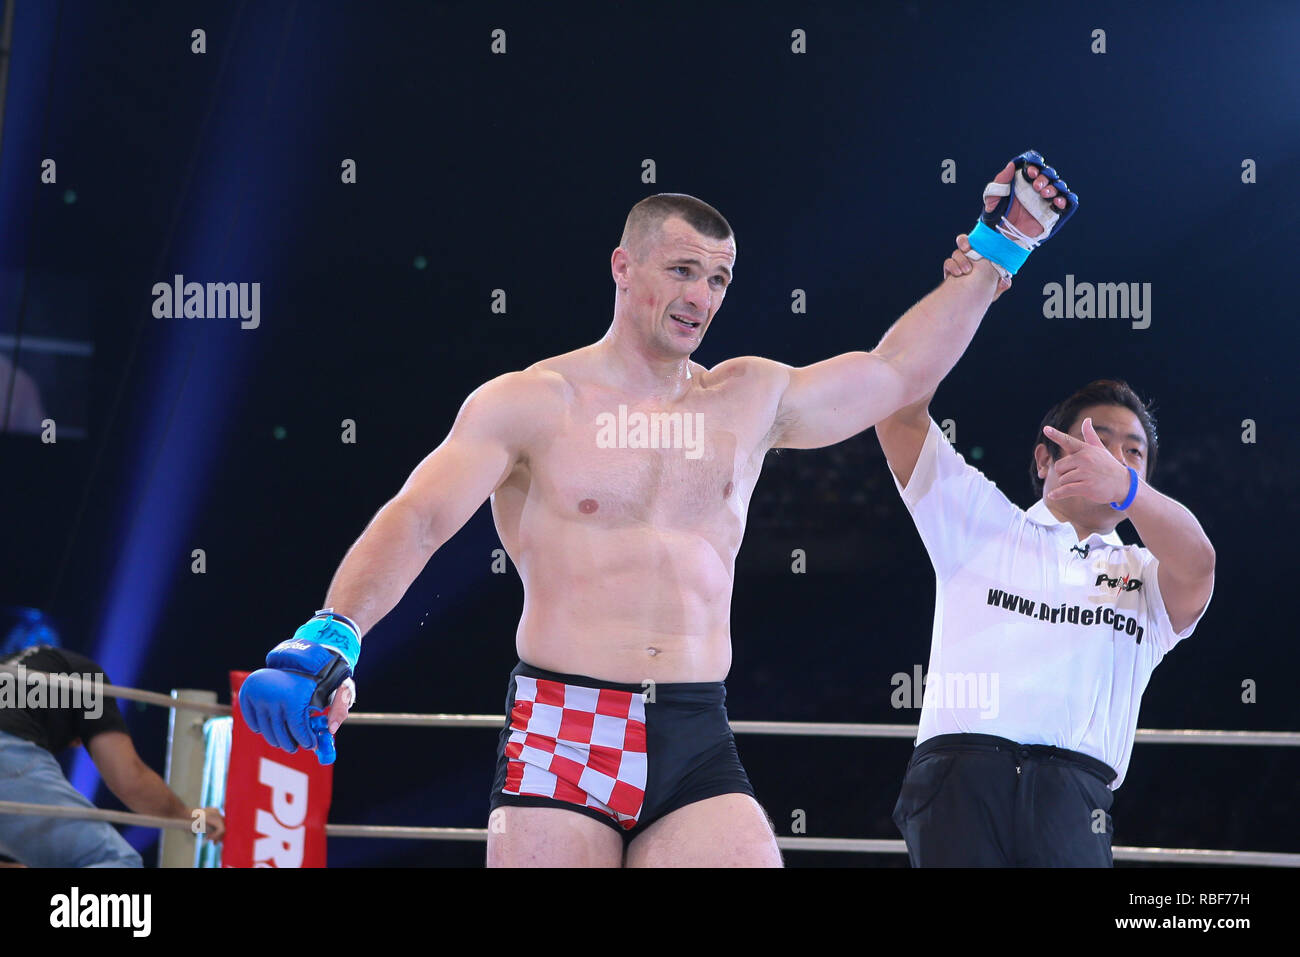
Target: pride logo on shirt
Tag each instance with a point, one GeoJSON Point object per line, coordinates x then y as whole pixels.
{"type": "Point", "coordinates": [1126, 583]}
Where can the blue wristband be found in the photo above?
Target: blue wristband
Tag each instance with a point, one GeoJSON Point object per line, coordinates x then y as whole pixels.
{"type": "Point", "coordinates": [330, 630]}
{"type": "Point", "coordinates": [992, 245]}
{"type": "Point", "coordinates": [1132, 491]}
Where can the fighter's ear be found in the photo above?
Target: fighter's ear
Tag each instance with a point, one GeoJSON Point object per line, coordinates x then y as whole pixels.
{"type": "Point", "coordinates": [619, 262]}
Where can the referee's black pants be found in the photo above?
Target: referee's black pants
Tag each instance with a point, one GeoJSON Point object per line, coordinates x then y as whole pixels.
{"type": "Point", "coordinates": [977, 800]}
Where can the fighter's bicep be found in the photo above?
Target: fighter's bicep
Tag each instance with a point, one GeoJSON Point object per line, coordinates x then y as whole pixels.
{"type": "Point", "coordinates": [466, 468]}
{"type": "Point", "coordinates": [487, 440]}
{"type": "Point", "coordinates": [832, 400]}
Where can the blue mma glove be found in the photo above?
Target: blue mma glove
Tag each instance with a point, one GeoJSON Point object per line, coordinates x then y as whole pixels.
{"type": "Point", "coordinates": [302, 674]}
{"type": "Point", "coordinates": [996, 239]}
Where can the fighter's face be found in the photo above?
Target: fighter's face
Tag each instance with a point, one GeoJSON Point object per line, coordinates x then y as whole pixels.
{"type": "Point", "coordinates": [679, 287]}
{"type": "Point", "coordinates": [1121, 432]}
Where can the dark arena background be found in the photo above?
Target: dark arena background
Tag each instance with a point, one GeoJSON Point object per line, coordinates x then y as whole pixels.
{"type": "Point", "coordinates": [428, 195]}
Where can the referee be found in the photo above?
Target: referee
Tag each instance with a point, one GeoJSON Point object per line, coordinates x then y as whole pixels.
{"type": "Point", "coordinates": [1046, 630]}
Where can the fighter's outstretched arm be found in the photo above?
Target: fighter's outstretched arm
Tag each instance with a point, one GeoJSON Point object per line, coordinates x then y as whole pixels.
{"type": "Point", "coordinates": [902, 433]}
{"type": "Point", "coordinates": [829, 401]}
{"type": "Point", "coordinates": [439, 497]}
{"type": "Point", "coordinates": [837, 398]}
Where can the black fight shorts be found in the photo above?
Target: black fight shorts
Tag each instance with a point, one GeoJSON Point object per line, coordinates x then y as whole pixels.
{"type": "Point", "coordinates": [619, 753]}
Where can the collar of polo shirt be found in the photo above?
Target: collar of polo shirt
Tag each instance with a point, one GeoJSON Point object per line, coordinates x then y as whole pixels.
{"type": "Point", "coordinates": [1041, 514]}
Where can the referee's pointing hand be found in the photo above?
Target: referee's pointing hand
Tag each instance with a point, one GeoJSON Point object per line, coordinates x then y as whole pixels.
{"type": "Point", "coordinates": [1087, 469]}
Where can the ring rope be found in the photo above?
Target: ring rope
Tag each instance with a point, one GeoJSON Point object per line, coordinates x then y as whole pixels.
{"type": "Point", "coordinates": [74, 683]}
{"type": "Point", "coordinates": [1289, 739]}
{"type": "Point", "coordinates": [1180, 855]}
{"type": "Point", "coordinates": [96, 814]}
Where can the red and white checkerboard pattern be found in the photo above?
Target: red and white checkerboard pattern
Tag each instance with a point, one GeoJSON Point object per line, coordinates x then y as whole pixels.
{"type": "Point", "coordinates": [584, 745]}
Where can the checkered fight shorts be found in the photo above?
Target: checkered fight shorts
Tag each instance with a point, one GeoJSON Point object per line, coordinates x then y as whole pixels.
{"type": "Point", "coordinates": [602, 749]}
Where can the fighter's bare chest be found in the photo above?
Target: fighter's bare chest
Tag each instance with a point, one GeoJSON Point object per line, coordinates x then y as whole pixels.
{"type": "Point", "coordinates": [648, 463]}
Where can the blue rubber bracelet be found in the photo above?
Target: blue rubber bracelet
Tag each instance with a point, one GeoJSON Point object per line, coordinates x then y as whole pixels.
{"type": "Point", "coordinates": [332, 634]}
{"type": "Point", "coordinates": [1132, 491]}
{"type": "Point", "coordinates": [992, 245]}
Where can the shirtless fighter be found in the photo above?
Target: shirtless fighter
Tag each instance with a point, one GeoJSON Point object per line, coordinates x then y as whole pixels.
{"type": "Point", "coordinates": [620, 475]}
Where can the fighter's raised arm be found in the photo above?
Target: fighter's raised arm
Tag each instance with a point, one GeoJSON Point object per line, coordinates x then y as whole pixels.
{"type": "Point", "coordinates": [830, 401]}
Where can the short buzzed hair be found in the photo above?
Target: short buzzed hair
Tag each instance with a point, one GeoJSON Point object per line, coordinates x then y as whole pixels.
{"type": "Point", "coordinates": [648, 215]}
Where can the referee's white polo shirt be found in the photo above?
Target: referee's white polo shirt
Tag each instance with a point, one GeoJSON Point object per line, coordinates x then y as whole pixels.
{"type": "Point", "coordinates": [1032, 641]}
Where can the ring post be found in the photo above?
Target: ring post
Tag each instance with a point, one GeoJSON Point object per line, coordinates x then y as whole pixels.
{"type": "Point", "coordinates": [184, 772]}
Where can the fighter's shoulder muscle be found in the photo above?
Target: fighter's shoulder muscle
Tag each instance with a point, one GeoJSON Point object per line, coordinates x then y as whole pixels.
{"type": "Point", "coordinates": [762, 382]}
{"type": "Point", "coordinates": [517, 406]}
{"type": "Point", "coordinates": [764, 376]}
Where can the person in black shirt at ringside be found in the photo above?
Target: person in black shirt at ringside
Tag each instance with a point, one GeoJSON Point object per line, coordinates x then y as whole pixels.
{"type": "Point", "coordinates": [31, 736]}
